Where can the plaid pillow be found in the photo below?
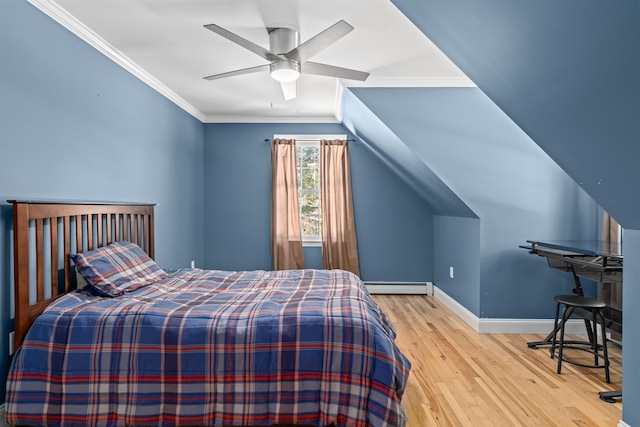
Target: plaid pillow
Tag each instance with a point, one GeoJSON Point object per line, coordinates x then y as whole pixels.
{"type": "Point", "coordinates": [118, 268]}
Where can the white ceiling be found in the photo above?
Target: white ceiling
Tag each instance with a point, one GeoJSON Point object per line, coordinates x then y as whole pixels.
{"type": "Point", "coordinates": [164, 43]}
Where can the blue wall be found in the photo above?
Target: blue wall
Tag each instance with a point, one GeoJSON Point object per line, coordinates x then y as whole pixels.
{"type": "Point", "coordinates": [458, 243]}
{"type": "Point", "coordinates": [394, 229]}
{"type": "Point", "coordinates": [76, 126]}
{"type": "Point", "coordinates": [516, 190]}
{"type": "Point", "coordinates": [566, 72]}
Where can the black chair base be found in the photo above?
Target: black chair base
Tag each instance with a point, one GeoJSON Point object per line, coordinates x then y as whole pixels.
{"type": "Point", "coordinates": [592, 311]}
{"type": "Point", "coordinates": [610, 396]}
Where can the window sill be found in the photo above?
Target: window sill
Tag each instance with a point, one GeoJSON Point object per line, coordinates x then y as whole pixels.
{"type": "Point", "coordinates": [312, 244]}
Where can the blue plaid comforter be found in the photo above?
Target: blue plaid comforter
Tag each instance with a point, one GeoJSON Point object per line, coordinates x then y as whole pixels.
{"type": "Point", "coordinates": [212, 348]}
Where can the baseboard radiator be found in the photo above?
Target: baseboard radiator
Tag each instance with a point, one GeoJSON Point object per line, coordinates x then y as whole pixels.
{"type": "Point", "coordinates": [400, 288]}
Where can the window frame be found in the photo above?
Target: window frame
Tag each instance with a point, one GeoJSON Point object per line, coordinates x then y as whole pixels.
{"type": "Point", "coordinates": [310, 140]}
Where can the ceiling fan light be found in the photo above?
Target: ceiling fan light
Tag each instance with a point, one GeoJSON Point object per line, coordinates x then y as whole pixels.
{"type": "Point", "coordinates": [285, 71]}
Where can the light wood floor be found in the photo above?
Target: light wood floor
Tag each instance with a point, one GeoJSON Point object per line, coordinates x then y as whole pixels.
{"type": "Point", "coordinates": [462, 378]}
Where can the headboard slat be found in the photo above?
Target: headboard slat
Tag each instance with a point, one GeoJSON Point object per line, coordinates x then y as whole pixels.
{"type": "Point", "coordinates": [39, 259]}
{"type": "Point", "coordinates": [67, 250]}
{"type": "Point", "coordinates": [108, 229]}
{"type": "Point", "coordinates": [116, 226]}
{"type": "Point", "coordinates": [140, 236]}
{"type": "Point", "coordinates": [90, 219]}
{"type": "Point", "coordinates": [53, 232]}
{"type": "Point", "coordinates": [78, 220]}
{"type": "Point", "coordinates": [131, 220]}
{"type": "Point", "coordinates": [99, 227]}
{"type": "Point", "coordinates": [150, 238]}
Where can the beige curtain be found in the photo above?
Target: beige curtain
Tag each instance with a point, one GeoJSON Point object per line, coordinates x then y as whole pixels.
{"type": "Point", "coordinates": [611, 293]}
{"type": "Point", "coordinates": [286, 238]}
{"type": "Point", "coordinates": [339, 245]}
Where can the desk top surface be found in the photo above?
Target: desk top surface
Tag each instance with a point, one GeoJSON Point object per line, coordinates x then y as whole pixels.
{"type": "Point", "coordinates": [586, 247]}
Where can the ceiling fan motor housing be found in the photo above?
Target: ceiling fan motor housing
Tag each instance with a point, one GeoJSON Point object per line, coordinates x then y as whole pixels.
{"type": "Point", "coordinates": [282, 40]}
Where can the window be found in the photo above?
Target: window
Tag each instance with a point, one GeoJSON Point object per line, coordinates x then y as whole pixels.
{"type": "Point", "coordinates": [308, 165]}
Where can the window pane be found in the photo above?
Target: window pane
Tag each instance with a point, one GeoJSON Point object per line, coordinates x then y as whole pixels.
{"type": "Point", "coordinates": [308, 156]}
{"type": "Point", "coordinates": [310, 225]}
{"type": "Point", "coordinates": [309, 203]}
{"type": "Point", "coordinates": [309, 179]}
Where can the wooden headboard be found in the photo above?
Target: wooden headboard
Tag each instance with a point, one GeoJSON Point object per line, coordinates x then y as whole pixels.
{"type": "Point", "coordinates": [45, 233]}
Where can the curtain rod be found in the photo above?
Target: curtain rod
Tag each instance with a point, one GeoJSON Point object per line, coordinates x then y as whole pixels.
{"type": "Point", "coordinates": [306, 140]}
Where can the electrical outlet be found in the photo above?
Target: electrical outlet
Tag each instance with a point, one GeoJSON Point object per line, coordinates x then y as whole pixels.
{"type": "Point", "coordinates": [451, 272]}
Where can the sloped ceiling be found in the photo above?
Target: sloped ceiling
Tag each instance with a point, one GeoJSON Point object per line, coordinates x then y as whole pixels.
{"type": "Point", "coordinates": [393, 152]}
{"type": "Point", "coordinates": [567, 72]}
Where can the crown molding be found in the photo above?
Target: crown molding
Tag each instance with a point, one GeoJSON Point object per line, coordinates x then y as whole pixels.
{"type": "Point", "coordinates": [414, 82]}
{"type": "Point", "coordinates": [61, 16]}
{"type": "Point", "coordinates": [269, 119]}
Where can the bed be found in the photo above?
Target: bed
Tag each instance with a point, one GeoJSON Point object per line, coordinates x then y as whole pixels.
{"type": "Point", "coordinates": [108, 338]}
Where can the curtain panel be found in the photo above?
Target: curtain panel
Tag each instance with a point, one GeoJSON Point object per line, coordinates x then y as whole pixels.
{"type": "Point", "coordinates": [339, 245]}
{"type": "Point", "coordinates": [286, 237]}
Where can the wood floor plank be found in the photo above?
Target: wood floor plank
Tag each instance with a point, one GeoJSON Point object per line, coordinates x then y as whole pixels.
{"type": "Point", "coordinates": [462, 378]}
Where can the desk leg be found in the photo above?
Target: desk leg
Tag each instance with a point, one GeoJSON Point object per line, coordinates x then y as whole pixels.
{"type": "Point", "coordinates": [547, 341]}
{"type": "Point", "coordinates": [610, 396]}
{"type": "Point", "coordinates": [549, 338]}
{"type": "Point", "coordinates": [578, 291]}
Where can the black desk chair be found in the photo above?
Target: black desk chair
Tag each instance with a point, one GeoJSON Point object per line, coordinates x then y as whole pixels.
{"type": "Point", "coordinates": [590, 309]}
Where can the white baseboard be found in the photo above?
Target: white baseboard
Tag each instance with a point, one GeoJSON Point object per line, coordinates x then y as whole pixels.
{"type": "Point", "coordinates": [400, 288]}
{"type": "Point", "coordinates": [504, 326]}
{"type": "Point", "coordinates": [623, 424]}
{"type": "Point", "coordinates": [453, 305]}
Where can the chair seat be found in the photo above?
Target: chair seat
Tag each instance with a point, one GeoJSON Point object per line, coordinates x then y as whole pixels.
{"type": "Point", "coordinates": [580, 301]}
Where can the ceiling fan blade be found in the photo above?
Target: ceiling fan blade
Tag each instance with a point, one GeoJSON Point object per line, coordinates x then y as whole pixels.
{"type": "Point", "coordinates": [320, 41]}
{"type": "Point", "coordinates": [289, 90]}
{"type": "Point", "coordinates": [238, 72]}
{"type": "Point", "coordinates": [259, 50]}
{"type": "Point", "coordinates": [333, 71]}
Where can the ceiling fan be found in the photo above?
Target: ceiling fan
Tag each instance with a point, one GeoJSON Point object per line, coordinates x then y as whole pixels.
{"type": "Point", "coordinates": [288, 59]}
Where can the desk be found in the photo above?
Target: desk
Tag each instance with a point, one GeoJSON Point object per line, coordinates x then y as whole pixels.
{"type": "Point", "coordinates": [594, 260]}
